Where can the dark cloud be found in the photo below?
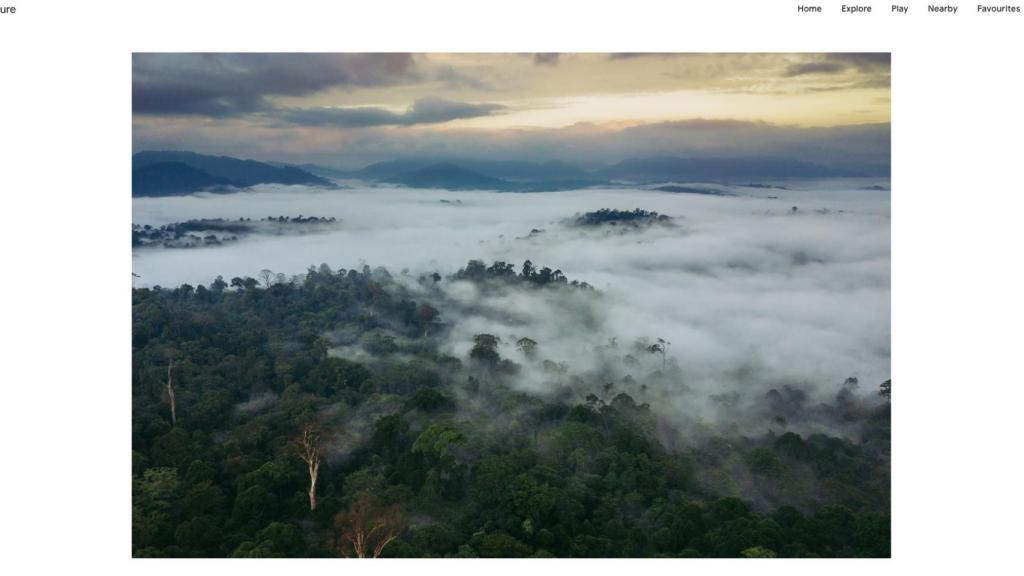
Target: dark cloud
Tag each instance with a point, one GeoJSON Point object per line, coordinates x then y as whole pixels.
{"type": "Point", "coordinates": [423, 111]}
{"type": "Point", "coordinates": [824, 67]}
{"type": "Point", "coordinates": [340, 117]}
{"type": "Point", "coordinates": [433, 110]}
{"type": "Point", "coordinates": [865, 62]}
{"type": "Point", "coordinates": [222, 85]}
{"type": "Point", "coordinates": [546, 58]}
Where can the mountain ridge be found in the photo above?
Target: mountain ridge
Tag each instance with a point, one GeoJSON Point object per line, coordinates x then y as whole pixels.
{"type": "Point", "coordinates": [172, 172]}
{"type": "Point", "coordinates": [164, 173]}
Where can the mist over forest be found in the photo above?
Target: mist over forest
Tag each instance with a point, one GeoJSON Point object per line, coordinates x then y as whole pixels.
{"type": "Point", "coordinates": [432, 351]}
{"type": "Point", "coordinates": [738, 285]}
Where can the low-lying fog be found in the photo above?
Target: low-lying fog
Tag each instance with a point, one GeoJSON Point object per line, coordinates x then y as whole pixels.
{"type": "Point", "coordinates": [743, 286]}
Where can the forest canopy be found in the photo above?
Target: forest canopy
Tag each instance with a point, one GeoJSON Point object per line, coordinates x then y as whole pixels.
{"type": "Point", "coordinates": [327, 415]}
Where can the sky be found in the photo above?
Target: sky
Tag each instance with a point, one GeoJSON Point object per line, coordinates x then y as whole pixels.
{"type": "Point", "coordinates": [349, 110]}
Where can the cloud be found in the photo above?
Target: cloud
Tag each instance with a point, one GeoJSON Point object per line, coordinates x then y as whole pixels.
{"type": "Point", "coordinates": [222, 85]}
{"type": "Point", "coordinates": [751, 296]}
{"type": "Point", "coordinates": [431, 110]}
{"type": "Point", "coordinates": [864, 61]}
{"type": "Point", "coordinates": [815, 68]}
{"type": "Point", "coordinates": [836, 63]}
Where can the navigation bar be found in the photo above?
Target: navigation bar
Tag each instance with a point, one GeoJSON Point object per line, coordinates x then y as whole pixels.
{"type": "Point", "coordinates": [906, 9]}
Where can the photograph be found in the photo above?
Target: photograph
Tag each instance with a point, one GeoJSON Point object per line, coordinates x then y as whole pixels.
{"type": "Point", "coordinates": [509, 305]}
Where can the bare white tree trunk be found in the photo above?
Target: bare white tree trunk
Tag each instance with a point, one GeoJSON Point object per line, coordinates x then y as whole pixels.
{"type": "Point", "coordinates": [309, 451]}
{"type": "Point", "coordinates": [367, 528]}
{"type": "Point", "coordinates": [170, 391]}
{"type": "Point", "coordinates": [314, 471]}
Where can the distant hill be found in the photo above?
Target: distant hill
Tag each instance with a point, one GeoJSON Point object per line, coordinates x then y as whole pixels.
{"type": "Point", "coordinates": [525, 176]}
{"type": "Point", "coordinates": [522, 171]}
{"type": "Point", "coordinates": [670, 168]}
{"type": "Point", "coordinates": [172, 179]}
{"type": "Point", "coordinates": [691, 190]}
{"type": "Point", "coordinates": [324, 171]}
{"type": "Point", "coordinates": [450, 176]}
{"type": "Point", "coordinates": [393, 168]}
{"type": "Point", "coordinates": [170, 173]}
{"type": "Point", "coordinates": [447, 176]}
{"type": "Point", "coordinates": [316, 170]}
{"type": "Point", "coordinates": [512, 170]}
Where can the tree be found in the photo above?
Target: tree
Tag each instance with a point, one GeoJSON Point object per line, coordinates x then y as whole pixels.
{"type": "Point", "coordinates": [425, 316]}
{"type": "Point", "coordinates": [170, 388]}
{"type": "Point", "coordinates": [528, 270]}
{"type": "Point", "coordinates": [154, 498]}
{"type": "Point", "coordinates": [758, 552]}
{"type": "Point", "coordinates": [526, 346]}
{"type": "Point", "coordinates": [320, 347]}
{"type": "Point", "coordinates": [488, 341]}
{"type": "Point", "coordinates": [218, 285]}
{"type": "Point", "coordinates": [382, 345]}
{"type": "Point", "coordinates": [309, 452]}
{"type": "Point", "coordinates": [660, 347]}
{"type": "Point", "coordinates": [367, 527]}
{"type": "Point", "coordinates": [501, 545]}
{"type": "Point", "coordinates": [885, 390]}
{"type": "Point", "coordinates": [376, 293]}
{"type": "Point", "coordinates": [485, 349]}
{"type": "Point", "coordinates": [277, 540]}
{"type": "Point", "coordinates": [436, 446]}
{"type": "Point", "coordinates": [429, 400]}
{"type": "Point", "coordinates": [764, 462]}
{"type": "Point", "coordinates": [267, 276]}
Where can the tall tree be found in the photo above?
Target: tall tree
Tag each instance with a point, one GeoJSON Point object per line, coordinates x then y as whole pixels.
{"type": "Point", "coordinates": [309, 452]}
{"type": "Point", "coordinates": [488, 341]}
{"type": "Point", "coordinates": [268, 277]}
{"type": "Point", "coordinates": [367, 527]}
{"type": "Point", "coordinates": [170, 389]}
{"type": "Point", "coordinates": [376, 295]}
{"type": "Point", "coordinates": [425, 316]}
{"type": "Point", "coordinates": [528, 270]}
{"type": "Point", "coordinates": [485, 349]}
{"type": "Point", "coordinates": [526, 345]}
{"type": "Point", "coordinates": [660, 347]}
